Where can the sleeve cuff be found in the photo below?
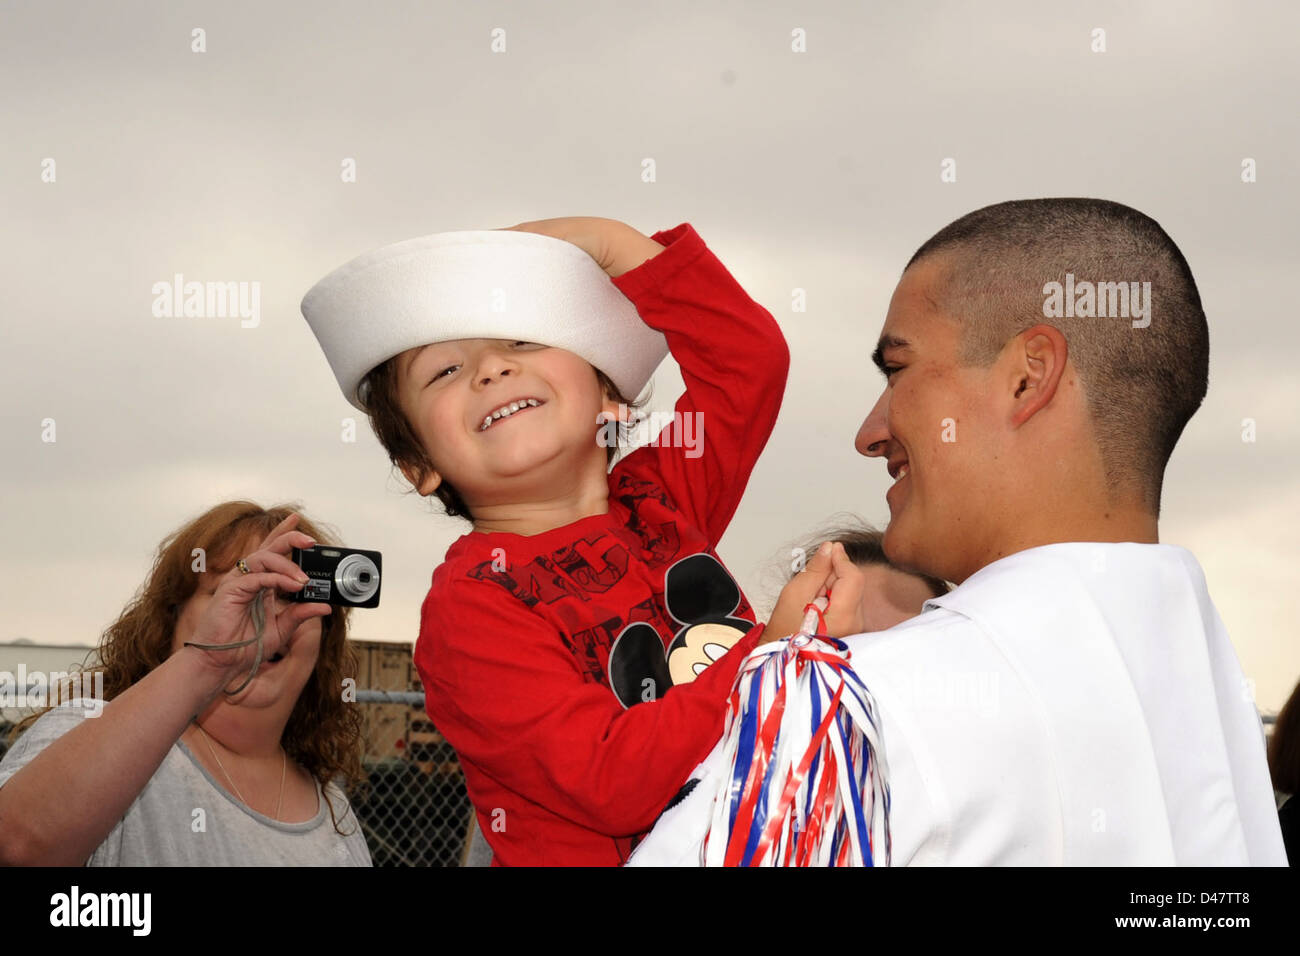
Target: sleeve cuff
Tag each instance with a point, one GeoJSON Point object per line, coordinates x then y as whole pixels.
{"type": "Point", "coordinates": [682, 246]}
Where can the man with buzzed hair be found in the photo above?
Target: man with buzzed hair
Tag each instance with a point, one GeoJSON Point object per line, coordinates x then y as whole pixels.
{"type": "Point", "coordinates": [1145, 379]}
{"type": "Point", "coordinates": [1076, 699]}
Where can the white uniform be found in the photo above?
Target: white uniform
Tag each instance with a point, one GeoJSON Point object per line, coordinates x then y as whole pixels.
{"type": "Point", "coordinates": [1075, 704]}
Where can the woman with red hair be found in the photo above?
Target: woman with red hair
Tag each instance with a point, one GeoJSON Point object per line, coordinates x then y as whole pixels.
{"type": "Point", "coordinates": [205, 753]}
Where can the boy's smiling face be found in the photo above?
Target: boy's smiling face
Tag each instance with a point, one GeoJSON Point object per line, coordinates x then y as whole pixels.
{"type": "Point", "coordinates": [450, 390]}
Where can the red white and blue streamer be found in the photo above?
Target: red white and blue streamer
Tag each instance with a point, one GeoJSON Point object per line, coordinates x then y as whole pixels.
{"type": "Point", "coordinates": [806, 777]}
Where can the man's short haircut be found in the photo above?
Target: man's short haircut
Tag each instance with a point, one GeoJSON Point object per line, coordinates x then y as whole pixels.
{"type": "Point", "coordinates": [1142, 384]}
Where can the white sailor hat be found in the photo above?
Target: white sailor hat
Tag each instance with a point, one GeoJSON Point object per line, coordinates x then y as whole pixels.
{"type": "Point", "coordinates": [489, 284]}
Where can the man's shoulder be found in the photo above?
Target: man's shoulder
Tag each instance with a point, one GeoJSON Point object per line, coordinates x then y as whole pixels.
{"type": "Point", "coordinates": [1071, 569]}
{"type": "Point", "coordinates": [947, 685]}
{"type": "Point", "coordinates": [936, 635]}
{"type": "Point", "coordinates": [944, 672]}
{"type": "Point", "coordinates": [969, 762]}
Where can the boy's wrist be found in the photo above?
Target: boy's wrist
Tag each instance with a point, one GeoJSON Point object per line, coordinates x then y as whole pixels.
{"type": "Point", "coordinates": [628, 248]}
{"type": "Point", "coordinates": [679, 248]}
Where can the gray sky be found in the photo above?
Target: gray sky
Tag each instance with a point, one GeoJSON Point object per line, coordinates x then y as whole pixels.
{"type": "Point", "coordinates": [818, 170]}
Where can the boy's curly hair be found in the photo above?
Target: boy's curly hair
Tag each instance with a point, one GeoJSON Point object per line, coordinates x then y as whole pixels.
{"type": "Point", "coordinates": [379, 397]}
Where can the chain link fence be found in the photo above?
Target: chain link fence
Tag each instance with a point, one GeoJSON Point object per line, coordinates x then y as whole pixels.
{"type": "Point", "coordinates": [413, 809]}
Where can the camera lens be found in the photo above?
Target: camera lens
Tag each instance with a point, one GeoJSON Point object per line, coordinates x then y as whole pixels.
{"type": "Point", "coordinates": [357, 578]}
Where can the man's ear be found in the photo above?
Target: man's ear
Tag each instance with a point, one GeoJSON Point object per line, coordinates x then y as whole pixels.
{"type": "Point", "coordinates": [431, 480]}
{"type": "Point", "coordinates": [1038, 364]}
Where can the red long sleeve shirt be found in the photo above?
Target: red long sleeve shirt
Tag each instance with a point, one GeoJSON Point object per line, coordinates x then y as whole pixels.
{"type": "Point", "coordinates": [515, 644]}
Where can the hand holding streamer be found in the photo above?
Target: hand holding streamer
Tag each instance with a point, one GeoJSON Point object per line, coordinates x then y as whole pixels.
{"type": "Point", "coordinates": [806, 781]}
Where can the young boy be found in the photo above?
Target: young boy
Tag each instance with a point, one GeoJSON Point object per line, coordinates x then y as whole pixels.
{"type": "Point", "coordinates": [577, 647]}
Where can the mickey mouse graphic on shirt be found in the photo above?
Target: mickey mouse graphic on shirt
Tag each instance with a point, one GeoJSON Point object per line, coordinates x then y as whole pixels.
{"type": "Point", "coordinates": [701, 596]}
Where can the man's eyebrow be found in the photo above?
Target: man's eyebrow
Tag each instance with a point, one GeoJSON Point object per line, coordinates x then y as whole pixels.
{"type": "Point", "coordinates": [887, 342]}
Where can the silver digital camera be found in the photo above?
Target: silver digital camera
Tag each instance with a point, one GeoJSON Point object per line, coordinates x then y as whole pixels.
{"type": "Point", "coordinates": [344, 577]}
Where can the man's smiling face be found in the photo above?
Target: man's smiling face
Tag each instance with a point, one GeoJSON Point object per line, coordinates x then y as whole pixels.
{"type": "Point", "coordinates": [454, 393]}
{"type": "Point", "coordinates": [936, 424]}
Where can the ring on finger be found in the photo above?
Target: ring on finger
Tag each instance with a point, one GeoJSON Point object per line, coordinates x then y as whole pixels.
{"type": "Point", "coordinates": [243, 567]}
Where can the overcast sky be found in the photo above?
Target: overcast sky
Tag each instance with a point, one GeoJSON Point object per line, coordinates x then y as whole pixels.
{"type": "Point", "coordinates": [817, 170]}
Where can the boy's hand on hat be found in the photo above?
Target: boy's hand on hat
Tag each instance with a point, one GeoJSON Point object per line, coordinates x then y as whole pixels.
{"type": "Point", "coordinates": [588, 233]}
{"type": "Point", "coordinates": [616, 246]}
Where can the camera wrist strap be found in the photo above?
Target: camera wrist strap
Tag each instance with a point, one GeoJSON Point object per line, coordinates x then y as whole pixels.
{"type": "Point", "coordinates": [256, 613]}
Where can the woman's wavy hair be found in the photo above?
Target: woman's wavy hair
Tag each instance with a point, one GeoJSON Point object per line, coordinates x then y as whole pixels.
{"type": "Point", "coordinates": [324, 732]}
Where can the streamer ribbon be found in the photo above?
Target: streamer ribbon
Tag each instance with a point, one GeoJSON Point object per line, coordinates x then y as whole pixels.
{"type": "Point", "coordinates": [806, 780]}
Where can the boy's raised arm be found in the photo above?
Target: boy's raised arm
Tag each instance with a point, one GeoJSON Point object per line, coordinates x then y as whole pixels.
{"type": "Point", "coordinates": [733, 358]}
{"type": "Point", "coordinates": [734, 362]}
{"type": "Point", "coordinates": [731, 351]}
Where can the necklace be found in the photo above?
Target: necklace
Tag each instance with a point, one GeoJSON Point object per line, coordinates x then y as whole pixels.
{"type": "Point", "coordinates": [284, 766]}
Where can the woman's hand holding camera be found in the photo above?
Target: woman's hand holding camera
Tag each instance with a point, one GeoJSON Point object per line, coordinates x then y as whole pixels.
{"type": "Point", "coordinates": [228, 617]}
